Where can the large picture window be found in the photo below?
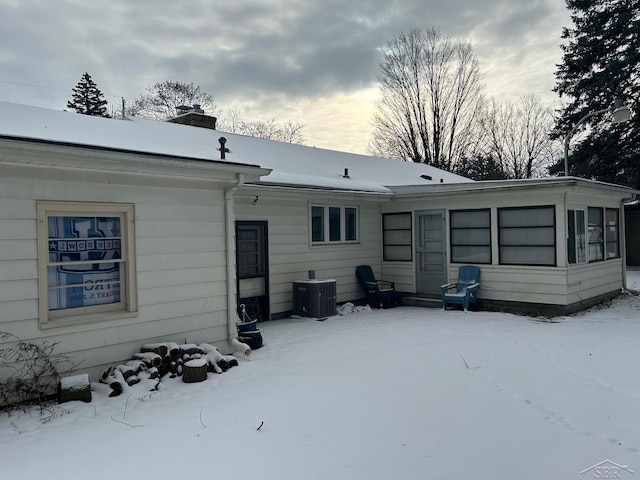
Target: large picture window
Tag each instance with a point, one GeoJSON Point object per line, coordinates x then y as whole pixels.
{"type": "Point", "coordinates": [86, 261]}
{"type": "Point", "coordinates": [334, 224]}
{"type": "Point", "coordinates": [527, 236]}
{"type": "Point", "coordinates": [396, 237]}
{"type": "Point", "coordinates": [470, 236]}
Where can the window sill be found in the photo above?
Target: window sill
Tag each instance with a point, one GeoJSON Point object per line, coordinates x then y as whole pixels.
{"type": "Point", "coordinates": [86, 319]}
{"type": "Point", "coordinates": [328, 244]}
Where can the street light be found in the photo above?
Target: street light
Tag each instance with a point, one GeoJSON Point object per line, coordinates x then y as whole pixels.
{"type": "Point", "coordinates": [620, 114]}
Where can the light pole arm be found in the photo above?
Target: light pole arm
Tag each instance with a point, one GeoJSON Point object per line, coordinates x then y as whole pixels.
{"type": "Point", "coordinates": [573, 130]}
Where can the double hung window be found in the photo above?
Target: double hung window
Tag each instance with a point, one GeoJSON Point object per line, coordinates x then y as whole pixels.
{"type": "Point", "coordinates": [86, 261]}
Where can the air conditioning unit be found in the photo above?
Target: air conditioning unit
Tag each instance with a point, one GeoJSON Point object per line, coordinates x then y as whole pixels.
{"type": "Point", "coordinates": [314, 298]}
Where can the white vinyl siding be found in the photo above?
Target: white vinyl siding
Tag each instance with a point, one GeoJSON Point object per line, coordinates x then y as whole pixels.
{"type": "Point", "coordinates": [559, 284]}
{"type": "Point", "coordinates": [180, 262]}
{"type": "Point", "coordinates": [292, 254]}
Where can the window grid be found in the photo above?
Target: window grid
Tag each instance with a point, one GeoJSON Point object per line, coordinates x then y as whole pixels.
{"type": "Point", "coordinates": [397, 242]}
{"type": "Point", "coordinates": [527, 236]}
{"type": "Point", "coordinates": [470, 232]}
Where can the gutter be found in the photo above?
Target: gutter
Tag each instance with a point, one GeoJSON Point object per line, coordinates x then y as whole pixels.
{"type": "Point", "coordinates": [231, 260]}
{"type": "Point", "coordinates": [155, 155]}
{"type": "Point", "coordinates": [410, 191]}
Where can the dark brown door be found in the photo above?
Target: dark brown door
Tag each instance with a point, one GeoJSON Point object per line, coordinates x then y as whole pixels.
{"type": "Point", "coordinates": [252, 270]}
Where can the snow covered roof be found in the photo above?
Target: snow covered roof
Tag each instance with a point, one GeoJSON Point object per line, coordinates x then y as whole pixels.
{"type": "Point", "coordinates": [291, 165]}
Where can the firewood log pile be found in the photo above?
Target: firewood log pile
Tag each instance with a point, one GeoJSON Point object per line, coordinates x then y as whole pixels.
{"type": "Point", "coordinates": [157, 360]}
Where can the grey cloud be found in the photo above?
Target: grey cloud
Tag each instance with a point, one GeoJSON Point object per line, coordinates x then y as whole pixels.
{"type": "Point", "coordinates": [235, 49]}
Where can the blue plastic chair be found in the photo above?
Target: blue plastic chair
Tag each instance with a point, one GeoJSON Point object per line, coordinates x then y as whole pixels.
{"type": "Point", "coordinates": [463, 292]}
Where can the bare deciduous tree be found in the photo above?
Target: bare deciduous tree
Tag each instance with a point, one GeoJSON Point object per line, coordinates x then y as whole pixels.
{"type": "Point", "coordinates": [431, 90]}
{"type": "Point", "coordinates": [163, 98]}
{"type": "Point", "coordinates": [516, 135]}
{"type": "Point", "coordinates": [290, 132]}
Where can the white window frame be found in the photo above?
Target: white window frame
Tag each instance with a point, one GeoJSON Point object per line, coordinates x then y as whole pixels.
{"type": "Point", "coordinates": [128, 303]}
{"type": "Point", "coordinates": [326, 224]}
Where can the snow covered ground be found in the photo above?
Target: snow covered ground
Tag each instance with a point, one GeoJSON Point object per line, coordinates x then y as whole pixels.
{"type": "Point", "coordinates": [402, 393]}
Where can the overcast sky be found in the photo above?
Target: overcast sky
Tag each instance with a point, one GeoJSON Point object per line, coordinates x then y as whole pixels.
{"type": "Point", "coordinates": [311, 61]}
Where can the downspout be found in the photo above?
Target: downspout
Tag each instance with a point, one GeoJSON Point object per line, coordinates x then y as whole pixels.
{"type": "Point", "coordinates": [231, 258]}
{"type": "Point", "coordinates": [623, 240]}
{"type": "Point", "coordinates": [566, 250]}
{"type": "Point", "coordinates": [566, 230]}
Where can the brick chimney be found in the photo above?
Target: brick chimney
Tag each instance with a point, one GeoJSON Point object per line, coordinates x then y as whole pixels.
{"type": "Point", "coordinates": [194, 116]}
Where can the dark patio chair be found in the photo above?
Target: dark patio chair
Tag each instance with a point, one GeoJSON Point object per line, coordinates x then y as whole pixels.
{"type": "Point", "coordinates": [378, 293]}
{"type": "Point", "coordinates": [463, 292]}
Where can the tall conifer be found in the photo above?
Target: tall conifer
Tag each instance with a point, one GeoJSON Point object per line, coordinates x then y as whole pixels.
{"type": "Point", "coordinates": [87, 98]}
{"type": "Point", "coordinates": [601, 62]}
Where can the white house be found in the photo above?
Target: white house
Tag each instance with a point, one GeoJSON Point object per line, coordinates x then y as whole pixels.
{"type": "Point", "coordinates": [115, 233]}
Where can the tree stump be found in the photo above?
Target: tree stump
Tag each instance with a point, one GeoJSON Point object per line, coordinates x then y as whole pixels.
{"type": "Point", "coordinates": [194, 371]}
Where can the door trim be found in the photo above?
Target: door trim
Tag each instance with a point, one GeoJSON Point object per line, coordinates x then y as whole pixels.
{"type": "Point", "coordinates": [434, 287]}
{"type": "Point", "coordinates": [265, 303]}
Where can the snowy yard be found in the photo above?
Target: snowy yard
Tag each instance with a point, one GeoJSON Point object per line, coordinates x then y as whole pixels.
{"type": "Point", "coordinates": [402, 393]}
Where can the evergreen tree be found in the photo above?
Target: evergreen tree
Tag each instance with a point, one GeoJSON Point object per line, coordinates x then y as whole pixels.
{"type": "Point", "coordinates": [601, 62]}
{"type": "Point", "coordinates": [87, 98]}
{"type": "Point", "coordinates": [481, 167]}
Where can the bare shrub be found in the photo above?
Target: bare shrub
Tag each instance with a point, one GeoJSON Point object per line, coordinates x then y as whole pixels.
{"type": "Point", "coordinates": [29, 372]}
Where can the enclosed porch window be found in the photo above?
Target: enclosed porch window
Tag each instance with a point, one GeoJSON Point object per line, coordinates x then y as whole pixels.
{"type": "Point", "coordinates": [396, 237]}
{"type": "Point", "coordinates": [471, 236]}
{"type": "Point", "coordinates": [527, 236]}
